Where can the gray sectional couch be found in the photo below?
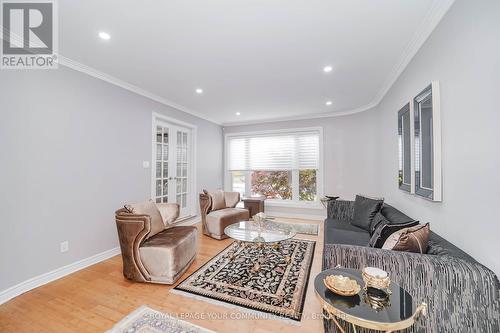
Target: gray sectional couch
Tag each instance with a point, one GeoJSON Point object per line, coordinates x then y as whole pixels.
{"type": "Point", "coordinates": [461, 294]}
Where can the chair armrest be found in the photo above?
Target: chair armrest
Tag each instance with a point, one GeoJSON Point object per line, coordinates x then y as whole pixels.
{"type": "Point", "coordinates": [169, 212]}
{"type": "Point", "coordinates": [340, 209]}
{"type": "Point", "coordinates": [205, 203]}
{"type": "Point", "coordinates": [132, 231]}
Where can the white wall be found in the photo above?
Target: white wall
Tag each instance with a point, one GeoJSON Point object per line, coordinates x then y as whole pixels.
{"type": "Point", "coordinates": [349, 153]}
{"type": "Point", "coordinates": [463, 54]}
{"type": "Point", "coordinates": [71, 154]}
{"type": "Point", "coordinates": [361, 153]}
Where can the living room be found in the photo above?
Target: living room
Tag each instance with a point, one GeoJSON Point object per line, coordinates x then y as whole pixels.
{"type": "Point", "coordinates": [260, 166]}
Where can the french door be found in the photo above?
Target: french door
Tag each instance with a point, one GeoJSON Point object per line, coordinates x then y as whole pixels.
{"type": "Point", "coordinates": [172, 168]}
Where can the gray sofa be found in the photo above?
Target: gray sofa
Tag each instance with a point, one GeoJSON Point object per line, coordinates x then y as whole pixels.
{"type": "Point", "coordinates": [461, 294]}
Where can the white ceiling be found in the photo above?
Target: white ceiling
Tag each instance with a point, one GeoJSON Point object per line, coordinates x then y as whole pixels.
{"type": "Point", "coordinates": [262, 58]}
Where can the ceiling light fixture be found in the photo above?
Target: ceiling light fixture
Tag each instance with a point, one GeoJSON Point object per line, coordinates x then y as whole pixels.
{"type": "Point", "coordinates": [328, 103]}
{"type": "Point", "coordinates": [104, 35]}
{"type": "Point", "coordinates": [238, 113]}
{"type": "Point", "coordinates": [199, 91]}
{"type": "Point", "coordinates": [327, 69]}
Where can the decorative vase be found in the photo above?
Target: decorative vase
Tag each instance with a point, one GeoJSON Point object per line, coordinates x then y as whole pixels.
{"type": "Point", "coordinates": [259, 218]}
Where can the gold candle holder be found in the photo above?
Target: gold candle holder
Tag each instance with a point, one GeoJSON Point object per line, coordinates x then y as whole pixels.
{"type": "Point", "coordinates": [376, 278]}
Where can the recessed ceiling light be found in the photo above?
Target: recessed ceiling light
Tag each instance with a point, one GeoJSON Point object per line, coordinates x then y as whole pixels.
{"type": "Point", "coordinates": [238, 113]}
{"type": "Point", "coordinates": [199, 91]}
{"type": "Point", "coordinates": [104, 35]}
{"type": "Point", "coordinates": [327, 69]}
{"type": "Point", "coordinates": [328, 103]}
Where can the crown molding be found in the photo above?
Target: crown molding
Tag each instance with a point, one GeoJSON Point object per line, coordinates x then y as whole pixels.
{"type": "Point", "coordinates": [424, 30]}
{"type": "Point", "coordinates": [363, 108]}
{"type": "Point", "coordinates": [77, 66]}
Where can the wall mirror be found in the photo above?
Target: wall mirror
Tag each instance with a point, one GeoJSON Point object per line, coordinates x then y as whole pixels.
{"type": "Point", "coordinates": [405, 151]}
{"type": "Point", "coordinates": [427, 143]}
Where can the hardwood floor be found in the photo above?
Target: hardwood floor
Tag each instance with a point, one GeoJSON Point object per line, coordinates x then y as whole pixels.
{"type": "Point", "coordinates": [95, 298]}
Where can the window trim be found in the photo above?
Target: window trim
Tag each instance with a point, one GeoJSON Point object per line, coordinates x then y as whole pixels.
{"type": "Point", "coordinates": [276, 202]}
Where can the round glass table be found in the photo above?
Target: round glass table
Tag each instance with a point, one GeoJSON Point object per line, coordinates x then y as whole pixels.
{"type": "Point", "coordinates": [371, 308]}
{"type": "Point", "coordinates": [260, 233]}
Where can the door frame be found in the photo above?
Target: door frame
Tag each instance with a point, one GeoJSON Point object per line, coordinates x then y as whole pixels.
{"type": "Point", "coordinates": [192, 157]}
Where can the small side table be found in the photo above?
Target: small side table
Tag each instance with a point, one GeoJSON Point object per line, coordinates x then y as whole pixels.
{"type": "Point", "coordinates": [254, 205]}
{"type": "Point", "coordinates": [399, 311]}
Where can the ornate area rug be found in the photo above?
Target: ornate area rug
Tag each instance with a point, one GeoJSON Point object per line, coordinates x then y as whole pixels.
{"type": "Point", "coordinates": [300, 228]}
{"type": "Point", "coordinates": [147, 320]}
{"type": "Point", "coordinates": [267, 279]}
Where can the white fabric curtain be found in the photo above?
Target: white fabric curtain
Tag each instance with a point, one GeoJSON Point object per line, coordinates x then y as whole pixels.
{"type": "Point", "coordinates": [283, 151]}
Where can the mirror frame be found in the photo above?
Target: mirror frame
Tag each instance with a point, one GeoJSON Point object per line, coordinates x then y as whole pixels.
{"type": "Point", "coordinates": [433, 193]}
{"type": "Point", "coordinates": [405, 140]}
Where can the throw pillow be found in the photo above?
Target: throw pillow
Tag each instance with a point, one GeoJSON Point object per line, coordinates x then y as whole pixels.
{"type": "Point", "coordinates": [365, 210]}
{"type": "Point", "coordinates": [169, 213]}
{"type": "Point", "coordinates": [218, 200]}
{"type": "Point", "coordinates": [393, 215]}
{"type": "Point", "coordinates": [379, 218]}
{"type": "Point", "coordinates": [413, 239]}
{"type": "Point", "coordinates": [148, 208]}
{"type": "Point", "coordinates": [384, 230]}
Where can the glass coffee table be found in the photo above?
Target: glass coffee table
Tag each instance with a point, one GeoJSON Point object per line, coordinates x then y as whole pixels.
{"type": "Point", "coordinates": [267, 233]}
{"type": "Point", "coordinates": [394, 311]}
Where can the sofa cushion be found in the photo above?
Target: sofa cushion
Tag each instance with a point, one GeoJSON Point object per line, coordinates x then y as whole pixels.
{"type": "Point", "coordinates": [169, 213]}
{"type": "Point", "coordinates": [348, 237]}
{"type": "Point", "coordinates": [218, 220]}
{"type": "Point", "coordinates": [218, 200]}
{"type": "Point", "coordinates": [413, 239]}
{"type": "Point", "coordinates": [231, 199]}
{"type": "Point", "coordinates": [168, 252]}
{"type": "Point", "coordinates": [394, 216]}
{"type": "Point", "coordinates": [341, 224]}
{"type": "Point", "coordinates": [384, 230]}
{"type": "Point", "coordinates": [365, 210]}
{"type": "Point", "coordinates": [148, 208]}
{"type": "Point", "coordinates": [441, 247]}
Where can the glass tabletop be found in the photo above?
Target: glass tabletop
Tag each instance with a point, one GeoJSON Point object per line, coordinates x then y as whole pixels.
{"type": "Point", "coordinates": [400, 305]}
{"type": "Point", "coordinates": [267, 232]}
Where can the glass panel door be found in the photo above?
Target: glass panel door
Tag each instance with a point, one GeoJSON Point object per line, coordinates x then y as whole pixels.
{"type": "Point", "coordinates": [172, 167]}
{"type": "Point", "coordinates": [182, 161]}
{"type": "Point", "coordinates": [161, 164]}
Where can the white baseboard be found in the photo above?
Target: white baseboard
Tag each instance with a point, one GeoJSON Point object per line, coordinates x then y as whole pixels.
{"type": "Point", "coordinates": [40, 280]}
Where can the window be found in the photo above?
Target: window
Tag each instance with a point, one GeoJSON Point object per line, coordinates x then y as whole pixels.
{"type": "Point", "coordinates": [282, 166]}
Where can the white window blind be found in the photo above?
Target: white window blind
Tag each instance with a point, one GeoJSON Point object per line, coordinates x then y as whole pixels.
{"type": "Point", "coordinates": [283, 151]}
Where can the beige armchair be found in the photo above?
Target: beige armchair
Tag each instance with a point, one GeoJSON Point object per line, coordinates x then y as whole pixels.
{"type": "Point", "coordinates": [153, 250]}
{"type": "Point", "coordinates": [218, 210]}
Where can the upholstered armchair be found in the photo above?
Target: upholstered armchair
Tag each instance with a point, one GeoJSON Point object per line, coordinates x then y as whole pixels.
{"type": "Point", "coordinates": [218, 210]}
{"type": "Point", "coordinates": [153, 250]}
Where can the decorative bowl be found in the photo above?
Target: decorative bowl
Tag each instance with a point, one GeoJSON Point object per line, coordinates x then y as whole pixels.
{"type": "Point", "coordinates": [342, 285]}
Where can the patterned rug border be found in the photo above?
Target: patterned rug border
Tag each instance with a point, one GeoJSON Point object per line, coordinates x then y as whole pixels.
{"type": "Point", "coordinates": [302, 300]}
{"type": "Point", "coordinates": [137, 314]}
{"type": "Point", "coordinates": [230, 305]}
